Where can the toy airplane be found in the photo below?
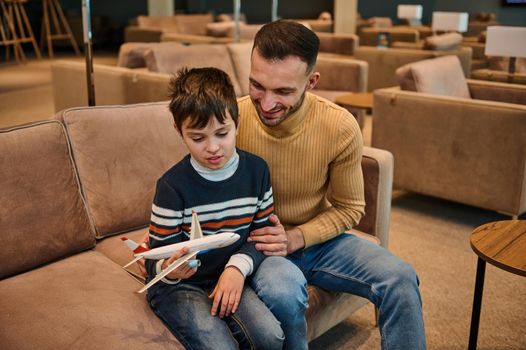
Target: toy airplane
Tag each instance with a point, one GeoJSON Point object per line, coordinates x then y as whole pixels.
{"type": "Point", "coordinates": [196, 244]}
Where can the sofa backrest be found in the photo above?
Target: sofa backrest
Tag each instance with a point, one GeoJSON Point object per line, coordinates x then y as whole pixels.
{"type": "Point", "coordinates": [184, 24]}
{"type": "Point", "coordinates": [120, 152]}
{"type": "Point", "coordinates": [171, 58]}
{"type": "Point", "coordinates": [438, 76]}
{"type": "Point", "coordinates": [241, 54]}
{"type": "Point", "coordinates": [43, 215]}
{"type": "Point", "coordinates": [341, 73]}
{"type": "Point", "coordinates": [113, 85]}
{"type": "Point", "coordinates": [167, 23]}
{"type": "Point", "coordinates": [194, 23]}
{"type": "Point", "coordinates": [384, 62]}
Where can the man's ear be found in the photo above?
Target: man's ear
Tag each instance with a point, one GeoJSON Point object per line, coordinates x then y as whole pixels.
{"type": "Point", "coordinates": [313, 80]}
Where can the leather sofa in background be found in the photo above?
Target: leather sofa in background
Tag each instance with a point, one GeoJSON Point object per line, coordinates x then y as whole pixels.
{"type": "Point", "coordinates": [454, 138]}
{"type": "Point", "coordinates": [383, 62]}
{"type": "Point", "coordinates": [71, 188]}
{"type": "Point", "coordinates": [153, 64]}
{"type": "Point", "coordinates": [150, 28]}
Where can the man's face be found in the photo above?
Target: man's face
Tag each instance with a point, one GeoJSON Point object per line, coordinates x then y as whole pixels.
{"type": "Point", "coordinates": [277, 87]}
{"type": "Point", "coordinates": [212, 146]}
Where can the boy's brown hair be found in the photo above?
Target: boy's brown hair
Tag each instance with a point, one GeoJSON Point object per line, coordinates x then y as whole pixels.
{"type": "Point", "coordinates": [200, 94]}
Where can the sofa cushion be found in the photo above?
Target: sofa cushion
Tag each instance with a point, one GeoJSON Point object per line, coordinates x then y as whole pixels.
{"type": "Point", "coordinates": [82, 302]}
{"type": "Point", "coordinates": [438, 76]}
{"type": "Point", "coordinates": [43, 216]}
{"type": "Point", "coordinates": [170, 59]}
{"type": "Point", "coordinates": [448, 41]}
{"type": "Point", "coordinates": [131, 55]}
{"type": "Point", "coordinates": [219, 29]}
{"type": "Point", "coordinates": [120, 152]}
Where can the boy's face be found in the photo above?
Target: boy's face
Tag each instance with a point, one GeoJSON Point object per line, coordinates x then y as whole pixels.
{"type": "Point", "coordinates": [212, 146]}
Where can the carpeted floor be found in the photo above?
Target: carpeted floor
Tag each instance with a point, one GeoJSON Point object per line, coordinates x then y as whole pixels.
{"type": "Point", "coordinates": [431, 234]}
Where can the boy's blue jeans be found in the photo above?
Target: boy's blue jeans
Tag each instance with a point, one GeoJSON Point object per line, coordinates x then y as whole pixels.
{"type": "Point", "coordinates": [185, 309]}
{"type": "Point", "coordinates": [348, 264]}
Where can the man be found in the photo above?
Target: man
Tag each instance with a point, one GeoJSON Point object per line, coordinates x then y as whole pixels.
{"type": "Point", "coordinates": [309, 144]}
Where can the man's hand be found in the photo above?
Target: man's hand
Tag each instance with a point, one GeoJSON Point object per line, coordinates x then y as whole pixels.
{"type": "Point", "coordinates": [146, 244]}
{"type": "Point", "coordinates": [227, 292]}
{"type": "Point", "coordinates": [274, 240]}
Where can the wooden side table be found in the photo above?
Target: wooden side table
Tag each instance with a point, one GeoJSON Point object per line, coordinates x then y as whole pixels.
{"type": "Point", "coordinates": [503, 244]}
{"type": "Point", "coordinates": [358, 103]}
{"type": "Point", "coordinates": [360, 100]}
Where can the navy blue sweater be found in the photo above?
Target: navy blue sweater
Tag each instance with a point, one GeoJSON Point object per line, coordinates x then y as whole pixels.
{"type": "Point", "coordinates": [239, 204]}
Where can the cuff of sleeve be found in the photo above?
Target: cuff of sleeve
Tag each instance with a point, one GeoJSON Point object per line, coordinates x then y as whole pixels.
{"type": "Point", "coordinates": [158, 269]}
{"type": "Point", "coordinates": [243, 262]}
{"type": "Point", "coordinates": [309, 234]}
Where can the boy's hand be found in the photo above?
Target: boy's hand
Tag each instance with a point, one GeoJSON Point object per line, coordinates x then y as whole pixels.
{"type": "Point", "coordinates": [182, 272]}
{"type": "Point", "coordinates": [227, 292]}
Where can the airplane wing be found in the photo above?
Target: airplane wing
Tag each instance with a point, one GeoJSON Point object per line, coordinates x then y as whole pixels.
{"type": "Point", "coordinates": [169, 269]}
{"type": "Point", "coordinates": [131, 262]}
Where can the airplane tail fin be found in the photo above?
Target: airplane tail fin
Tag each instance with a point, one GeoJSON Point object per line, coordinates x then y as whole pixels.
{"type": "Point", "coordinates": [134, 246]}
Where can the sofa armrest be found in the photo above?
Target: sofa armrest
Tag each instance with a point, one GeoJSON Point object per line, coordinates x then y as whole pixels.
{"type": "Point", "coordinates": [137, 34]}
{"type": "Point", "coordinates": [341, 73]}
{"type": "Point", "coordinates": [497, 91]}
{"type": "Point", "coordinates": [344, 44]}
{"type": "Point", "coordinates": [377, 166]}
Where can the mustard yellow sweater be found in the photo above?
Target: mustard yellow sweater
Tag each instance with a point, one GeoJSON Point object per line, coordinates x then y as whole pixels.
{"type": "Point", "coordinates": [319, 144]}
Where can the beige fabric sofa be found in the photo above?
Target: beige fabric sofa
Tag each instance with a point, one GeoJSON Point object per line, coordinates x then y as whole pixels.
{"type": "Point", "coordinates": [497, 70]}
{"type": "Point", "coordinates": [70, 188]}
{"type": "Point", "coordinates": [456, 139]}
{"type": "Point", "coordinates": [151, 28]}
{"type": "Point", "coordinates": [121, 85]}
{"type": "Point", "coordinates": [383, 62]}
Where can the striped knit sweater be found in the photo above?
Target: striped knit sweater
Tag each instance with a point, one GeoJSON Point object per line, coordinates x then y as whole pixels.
{"type": "Point", "coordinates": [240, 204]}
{"type": "Point", "coordinates": [320, 144]}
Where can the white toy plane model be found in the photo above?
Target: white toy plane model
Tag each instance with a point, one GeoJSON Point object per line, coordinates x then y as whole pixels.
{"type": "Point", "coordinates": [196, 244]}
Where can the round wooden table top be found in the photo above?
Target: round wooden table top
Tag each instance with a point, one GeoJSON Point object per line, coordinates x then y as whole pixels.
{"type": "Point", "coordinates": [503, 244]}
{"type": "Point", "coordinates": [356, 99]}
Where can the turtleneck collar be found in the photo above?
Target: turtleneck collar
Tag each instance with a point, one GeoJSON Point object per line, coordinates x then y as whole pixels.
{"type": "Point", "coordinates": [219, 174]}
{"type": "Point", "coordinates": [293, 122]}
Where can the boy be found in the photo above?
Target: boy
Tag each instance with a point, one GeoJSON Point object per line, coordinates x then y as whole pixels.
{"type": "Point", "coordinates": [230, 190]}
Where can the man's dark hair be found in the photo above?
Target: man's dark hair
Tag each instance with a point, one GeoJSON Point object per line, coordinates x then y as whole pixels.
{"type": "Point", "coordinates": [199, 94]}
{"type": "Point", "coordinates": [283, 38]}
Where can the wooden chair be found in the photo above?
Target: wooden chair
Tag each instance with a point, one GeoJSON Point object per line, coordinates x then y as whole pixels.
{"type": "Point", "coordinates": [56, 28]}
{"type": "Point", "coordinates": [8, 33]}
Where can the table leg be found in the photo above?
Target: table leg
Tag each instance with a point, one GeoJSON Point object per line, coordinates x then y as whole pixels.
{"type": "Point", "coordinates": [477, 302]}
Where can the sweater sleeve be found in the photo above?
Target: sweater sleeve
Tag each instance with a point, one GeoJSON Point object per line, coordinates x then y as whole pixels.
{"type": "Point", "coordinates": [347, 191]}
{"type": "Point", "coordinates": [166, 222]}
{"type": "Point", "coordinates": [265, 208]}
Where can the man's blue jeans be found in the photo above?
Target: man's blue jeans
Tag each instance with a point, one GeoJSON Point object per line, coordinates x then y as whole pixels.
{"type": "Point", "coordinates": [348, 264]}
{"type": "Point", "coordinates": [185, 310]}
